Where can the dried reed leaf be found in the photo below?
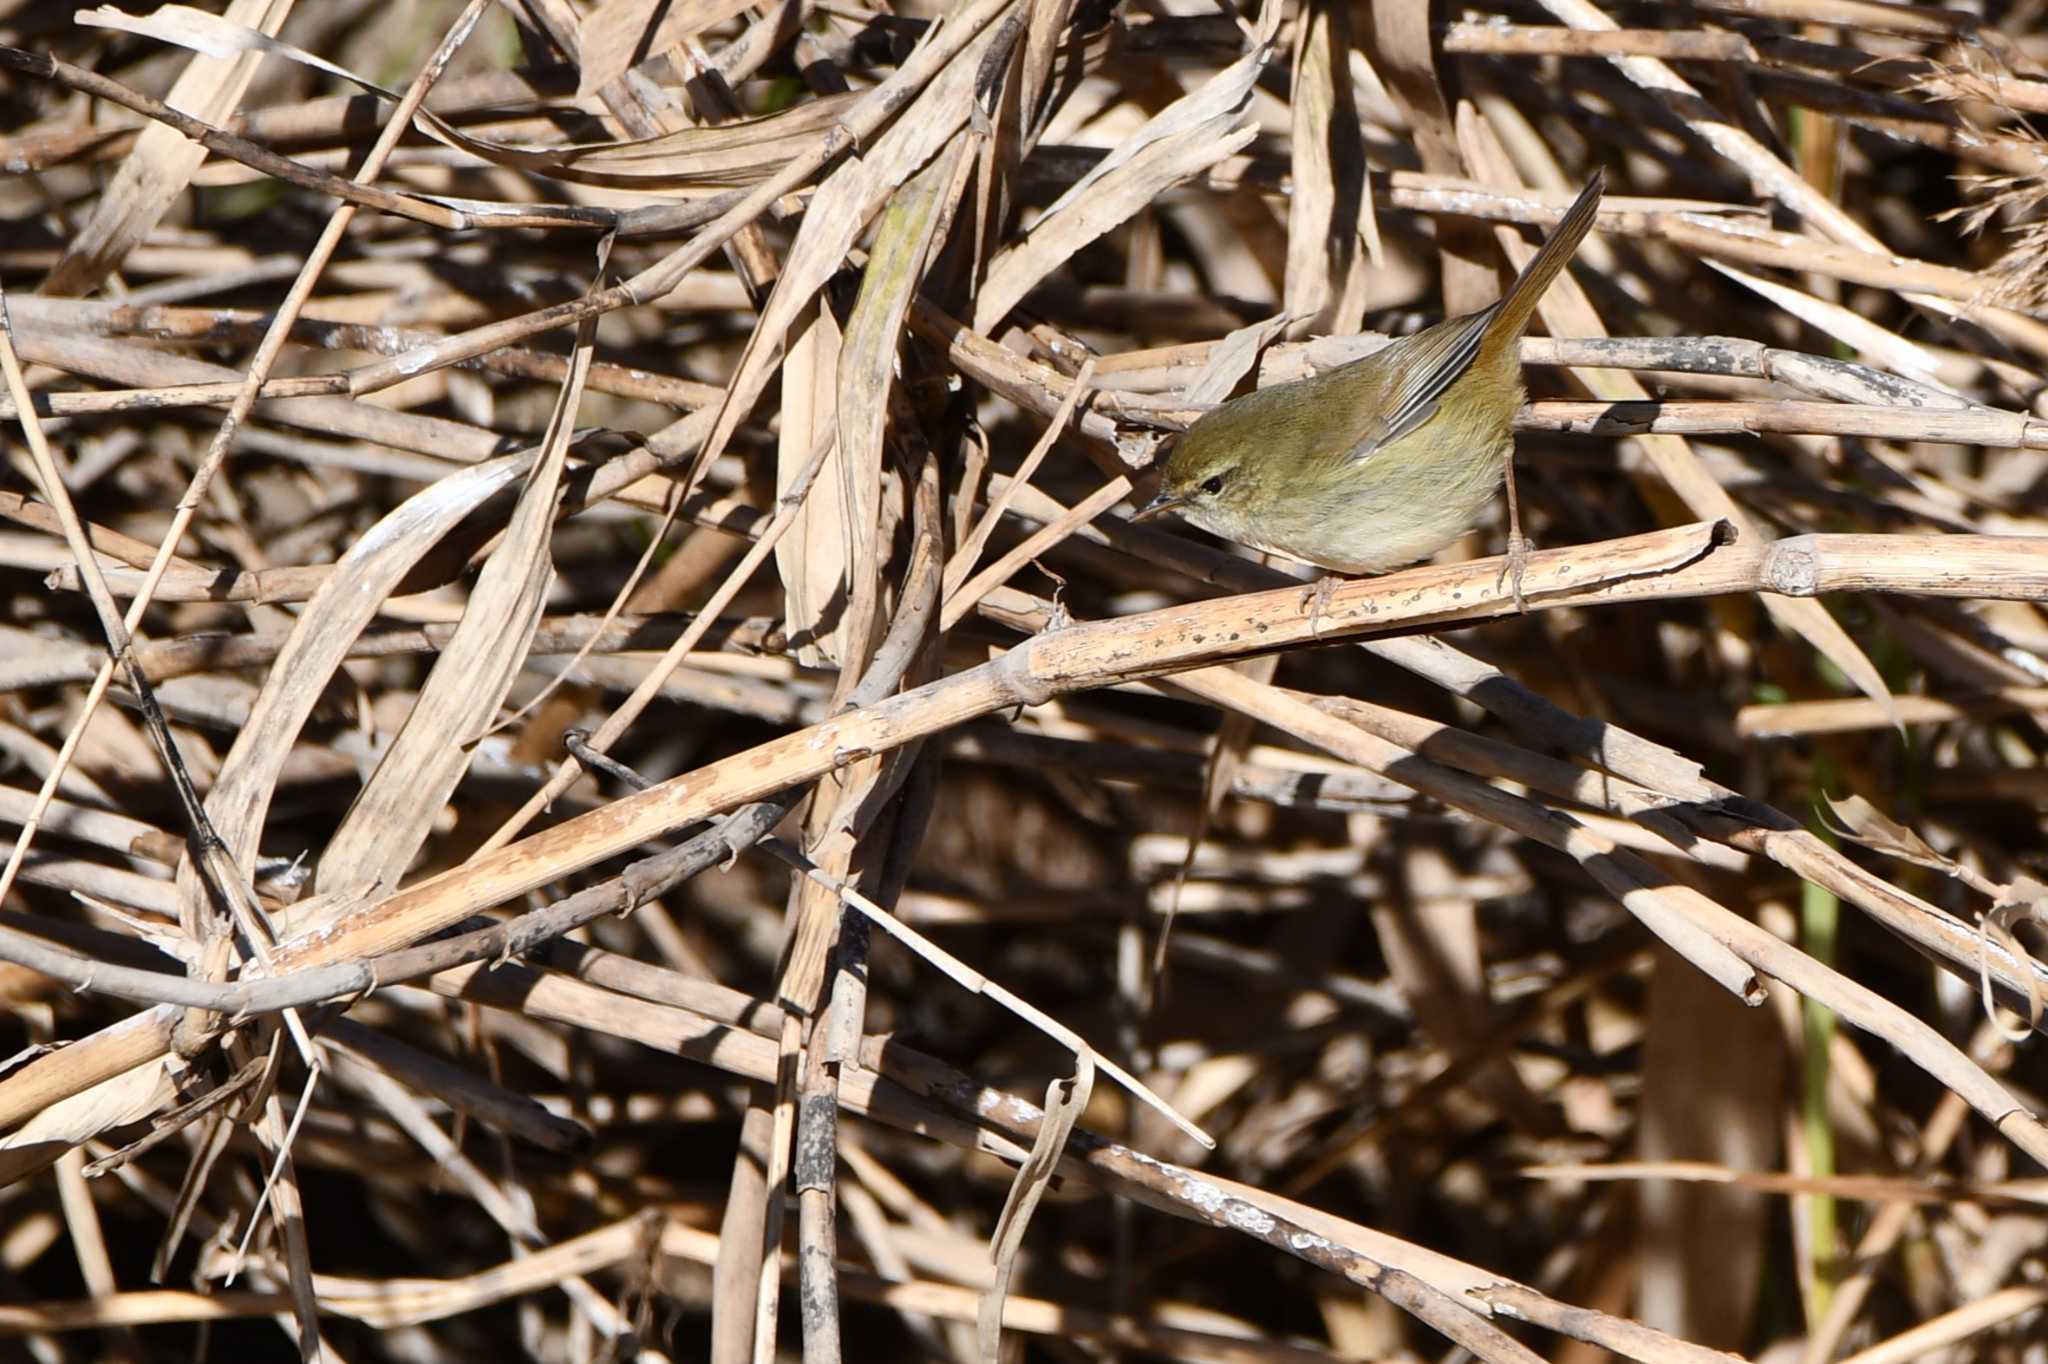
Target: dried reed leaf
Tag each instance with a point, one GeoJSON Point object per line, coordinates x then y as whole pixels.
{"type": "Point", "coordinates": [620, 34]}
{"type": "Point", "coordinates": [908, 234]}
{"type": "Point", "coordinates": [145, 366]}
{"type": "Point", "coordinates": [730, 155]}
{"type": "Point", "coordinates": [129, 1097]}
{"type": "Point", "coordinates": [393, 814]}
{"type": "Point", "coordinates": [974, 541]}
{"type": "Point", "coordinates": [1857, 820]}
{"type": "Point", "coordinates": [1185, 138]}
{"type": "Point", "coordinates": [1325, 284]}
{"type": "Point", "coordinates": [1860, 821]}
{"type": "Point", "coordinates": [1232, 359]}
{"type": "Point", "coordinates": [334, 617]}
{"type": "Point", "coordinates": [813, 558]}
{"type": "Point", "coordinates": [1065, 1100]}
{"type": "Point", "coordinates": [849, 199]}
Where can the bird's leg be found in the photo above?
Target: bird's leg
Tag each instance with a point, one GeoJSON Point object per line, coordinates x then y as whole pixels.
{"type": "Point", "coordinates": [1518, 546]}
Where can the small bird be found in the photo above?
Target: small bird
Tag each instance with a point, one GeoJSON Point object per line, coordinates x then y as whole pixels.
{"type": "Point", "coordinates": [1382, 461]}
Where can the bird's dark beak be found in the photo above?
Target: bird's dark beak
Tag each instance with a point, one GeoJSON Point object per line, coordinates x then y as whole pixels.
{"type": "Point", "coordinates": [1161, 501]}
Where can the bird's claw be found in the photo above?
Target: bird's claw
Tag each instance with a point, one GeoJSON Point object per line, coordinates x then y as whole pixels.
{"type": "Point", "coordinates": [1513, 566]}
{"type": "Point", "coordinates": [1315, 599]}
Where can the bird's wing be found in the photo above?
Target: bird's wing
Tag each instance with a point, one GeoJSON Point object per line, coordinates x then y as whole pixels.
{"type": "Point", "coordinates": [1434, 361]}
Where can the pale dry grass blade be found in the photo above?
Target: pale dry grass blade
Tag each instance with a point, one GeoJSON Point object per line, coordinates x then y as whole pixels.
{"type": "Point", "coordinates": [849, 199]}
{"type": "Point", "coordinates": [620, 34]}
{"type": "Point", "coordinates": [393, 814]}
{"type": "Point", "coordinates": [908, 235]}
{"type": "Point", "coordinates": [1064, 1101]}
{"type": "Point", "coordinates": [1183, 139]}
{"type": "Point", "coordinates": [971, 545]}
{"type": "Point", "coordinates": [685, 158]}
{"type": "Point", "coordinates": [814, 559]}
{"type": "Point", "coordinates": [132, 1095]}
{"type": "Point", "coordinates": [1326, 278]}
{"type": "Point", "coordinates": [336, 615]}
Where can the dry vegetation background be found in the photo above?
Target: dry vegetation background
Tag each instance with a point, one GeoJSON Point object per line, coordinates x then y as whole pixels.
{"type": "Point", "coordinates": [747, 399]}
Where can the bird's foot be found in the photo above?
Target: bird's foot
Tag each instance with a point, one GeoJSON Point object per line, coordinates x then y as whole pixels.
{"type": "Point", "coordinates": [1315, 599]}
{"type": "Point", "coordinates": [1513, 566]}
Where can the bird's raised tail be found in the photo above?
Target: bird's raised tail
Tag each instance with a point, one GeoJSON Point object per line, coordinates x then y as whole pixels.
{"type": "Point", "coordinates": [1513, 310]}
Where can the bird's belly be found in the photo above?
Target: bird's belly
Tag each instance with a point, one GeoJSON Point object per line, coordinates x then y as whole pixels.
{"type": "Point", "coordinates": [1431, 526]}
{"type": "Point", "coordinates": [1385, 524]}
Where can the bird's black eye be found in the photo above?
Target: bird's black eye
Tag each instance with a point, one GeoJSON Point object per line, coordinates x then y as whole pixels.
{"type": "Point", "coordinates": [1213, 484]}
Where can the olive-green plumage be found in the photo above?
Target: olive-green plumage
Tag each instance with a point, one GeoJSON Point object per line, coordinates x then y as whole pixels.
{"type": "Point", "coordinates": [1382, 461]}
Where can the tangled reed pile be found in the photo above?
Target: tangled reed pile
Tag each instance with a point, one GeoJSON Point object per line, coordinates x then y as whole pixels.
{"type": "Point", "coordinates": [594, 767]}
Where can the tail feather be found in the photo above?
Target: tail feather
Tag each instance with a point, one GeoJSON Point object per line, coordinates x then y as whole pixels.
{"type": "Point", "coordinates": [1556, 252]}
